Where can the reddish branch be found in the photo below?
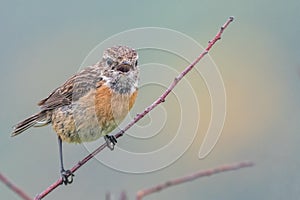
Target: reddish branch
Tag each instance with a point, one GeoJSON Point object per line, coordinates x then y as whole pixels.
{"type": "Point", "coordinates": [142, 193]}
{"type": "Point", "coordinates": [161, 99]}
{"type": "Point", "coordinates": [14, 188]}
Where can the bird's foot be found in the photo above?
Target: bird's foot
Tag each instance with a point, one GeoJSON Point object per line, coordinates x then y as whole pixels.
{"type": "Point", "coordinates": [67, 176]}
{"type": "Point", "coordinates": [110, 141]}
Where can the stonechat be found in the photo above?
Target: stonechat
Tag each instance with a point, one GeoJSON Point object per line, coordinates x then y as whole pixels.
{"type": "Point", "coordinates": [91, 103]}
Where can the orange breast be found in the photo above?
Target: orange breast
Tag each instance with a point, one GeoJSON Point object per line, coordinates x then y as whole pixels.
{"type": "Point", "coordinates": [111, 107]}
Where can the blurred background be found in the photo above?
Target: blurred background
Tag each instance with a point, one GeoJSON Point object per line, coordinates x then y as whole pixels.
{"type": "Point", "coordinates": [44, 43]}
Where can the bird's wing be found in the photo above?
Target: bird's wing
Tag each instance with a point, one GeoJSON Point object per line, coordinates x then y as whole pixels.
{"type": "Point", "coordinates": [74, 88]}
{"type": "Point", "coordinates": [60, 96]}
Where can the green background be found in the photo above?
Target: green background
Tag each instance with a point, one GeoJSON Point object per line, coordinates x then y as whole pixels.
{"type": "Point", "coordinates": [43, 43]}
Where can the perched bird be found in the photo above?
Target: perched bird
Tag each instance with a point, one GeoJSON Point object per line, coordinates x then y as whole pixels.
{"type": "Point", "coordinates": [91, 103]}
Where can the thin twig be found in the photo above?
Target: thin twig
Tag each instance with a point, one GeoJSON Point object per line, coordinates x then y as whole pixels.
{"type": "Point", "coordinates": [14, 188]}
{"type": "Point", "coordinates": [144, 192]}
{"type": "Point", "coordinates": [161, 99]}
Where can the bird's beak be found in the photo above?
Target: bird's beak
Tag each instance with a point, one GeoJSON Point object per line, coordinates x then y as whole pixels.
{"type": "Point", "coordinates": [124, 67]}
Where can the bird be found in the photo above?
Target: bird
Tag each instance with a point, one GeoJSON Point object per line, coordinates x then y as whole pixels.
{"type": "Point", "coordinates": [91, 103]}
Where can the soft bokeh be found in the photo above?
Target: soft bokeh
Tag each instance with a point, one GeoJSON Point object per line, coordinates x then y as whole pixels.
{"type": "Point", "coordinates": [43, 43]}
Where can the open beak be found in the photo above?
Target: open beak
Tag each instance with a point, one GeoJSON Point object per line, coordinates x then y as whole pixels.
{"type": "Point", "coordinates": [123, 68]}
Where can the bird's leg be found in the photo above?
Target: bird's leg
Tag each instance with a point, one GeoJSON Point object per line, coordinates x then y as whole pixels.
{"type": "Point", "coordinates": [66, 175]}
{"type": "Point", "coordinates": [110, 141]}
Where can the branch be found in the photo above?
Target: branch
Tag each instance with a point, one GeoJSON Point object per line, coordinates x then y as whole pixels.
{"type": "Point", "coordinates": [142, 193]}
{"type": "Point", "coordinates": [14, 188]}
{"type": "Point", "coordinates": [161, 99]}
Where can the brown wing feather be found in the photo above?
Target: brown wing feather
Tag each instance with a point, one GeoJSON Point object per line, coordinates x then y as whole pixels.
{"type": "Point", "coordinates": [74, 88]}
{"type": "Point", "coordinates": [60, 96]}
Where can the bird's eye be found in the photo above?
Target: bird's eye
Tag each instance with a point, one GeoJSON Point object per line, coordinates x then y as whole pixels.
{"type": "Point", "coordinates": [136, 63]}
{"type": "Point", "coordinates": [109, 61]}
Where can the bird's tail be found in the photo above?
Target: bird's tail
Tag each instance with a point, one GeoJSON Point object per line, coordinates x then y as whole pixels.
{"type": "Point", "coordinates": [36, 120]}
